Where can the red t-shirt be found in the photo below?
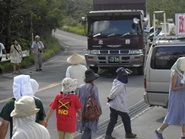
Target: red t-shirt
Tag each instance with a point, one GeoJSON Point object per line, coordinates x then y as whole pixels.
{"type": "Point", "coordinates": [66, 106]}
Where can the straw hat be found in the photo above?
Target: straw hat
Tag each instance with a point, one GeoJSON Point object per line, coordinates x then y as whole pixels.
{"type": "Point", "coordinates": [69, 85]}
{"type": "Point", "coordinates": [25, 106]}
{"type": "Point", "coordinates": [75, 59]}
{"type": "Point", "coordinates": [90, 75]}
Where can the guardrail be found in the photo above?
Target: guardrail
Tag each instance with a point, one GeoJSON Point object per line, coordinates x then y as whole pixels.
{"type": "Point", "coordinates": [25, 53]}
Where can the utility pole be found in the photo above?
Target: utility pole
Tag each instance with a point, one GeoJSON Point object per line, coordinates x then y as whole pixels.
{"type": "Point", "coordinates": [31, 27]}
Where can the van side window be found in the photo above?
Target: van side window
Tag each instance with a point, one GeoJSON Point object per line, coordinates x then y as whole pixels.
{"type": "Point", "coordinates": [163, 57]}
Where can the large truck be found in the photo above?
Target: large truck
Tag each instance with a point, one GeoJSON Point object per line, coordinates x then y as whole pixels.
{"type": "Point", "coordinates": [115, 32]}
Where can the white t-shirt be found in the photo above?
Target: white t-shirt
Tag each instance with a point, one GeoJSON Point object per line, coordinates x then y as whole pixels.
{"type": "Point", "coordinates": [1, 49]}
{"type": "Point", "coordinates": [76, 72]}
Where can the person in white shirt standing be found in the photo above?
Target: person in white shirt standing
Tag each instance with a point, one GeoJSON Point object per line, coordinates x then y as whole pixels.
{"type": "Point", "coordinates": [37, 50]}
{"type": "Point", "coordinates": [76, 70]}
{"type": "Point", "coordinates": [117, 102]}
{"type": "Point", "coordinates": [2, 49]}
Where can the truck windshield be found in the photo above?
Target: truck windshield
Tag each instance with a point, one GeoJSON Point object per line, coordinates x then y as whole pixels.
{"type": "Point", "coordinates": [117, 27]}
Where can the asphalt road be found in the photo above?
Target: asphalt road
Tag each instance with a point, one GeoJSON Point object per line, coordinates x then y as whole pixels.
{"type": "Point", "coordinates": [54, 71]}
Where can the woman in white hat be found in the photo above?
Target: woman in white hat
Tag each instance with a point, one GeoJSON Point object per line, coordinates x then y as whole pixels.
{"type": "Point", "coordinates": [76, 70]}
{"type": "Point", "coordinates": [66, 104]}
{"type": "Point", "coordinates": [24, 123]}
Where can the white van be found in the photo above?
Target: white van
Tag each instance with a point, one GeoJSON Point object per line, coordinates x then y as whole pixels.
{"type": "Point", "coordinates": [162, 55]}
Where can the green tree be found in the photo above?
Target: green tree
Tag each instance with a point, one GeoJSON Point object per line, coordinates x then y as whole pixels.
{"type": "Point", "coordinates": [22, 17]}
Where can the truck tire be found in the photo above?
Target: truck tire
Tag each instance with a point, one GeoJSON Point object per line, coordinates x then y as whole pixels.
{"type": "Point", "coordinates": [140, 70]}
{"type": "Point", "coordinates": [95, 69]}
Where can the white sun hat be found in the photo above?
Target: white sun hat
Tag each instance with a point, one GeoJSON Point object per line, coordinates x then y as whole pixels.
{"type": "Point", "coordinates": [69, 85]}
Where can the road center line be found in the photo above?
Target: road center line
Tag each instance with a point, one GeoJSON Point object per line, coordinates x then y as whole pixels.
{"type": "Point", "coordinates": [41, 89]}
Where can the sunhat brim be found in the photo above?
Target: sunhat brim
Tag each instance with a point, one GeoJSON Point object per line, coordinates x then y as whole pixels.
{"type": "Point", "coordinates": [128, 71]}
{"type": "Point", "coordinates": [23, 114]}
{"type": "Point", "coordinates": [75, 59]}
{"type": "Point", "coordinates": [91, 78]}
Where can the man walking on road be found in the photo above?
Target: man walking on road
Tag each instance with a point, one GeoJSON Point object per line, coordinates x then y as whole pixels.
{"type": "Point", "coordinates": [37, 50]}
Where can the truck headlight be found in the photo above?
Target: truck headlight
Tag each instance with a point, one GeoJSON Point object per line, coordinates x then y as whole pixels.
{"type": "Point", "coordinates": [134, 52]}
{"type": "Point", "coordinates": [94, 52]}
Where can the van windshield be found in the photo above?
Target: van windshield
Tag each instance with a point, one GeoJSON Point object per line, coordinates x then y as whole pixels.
{"type": "Point", "coordinates": [165, 57]}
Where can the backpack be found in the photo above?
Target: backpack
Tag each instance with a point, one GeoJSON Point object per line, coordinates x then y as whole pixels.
{"type": "Point", "coordinates": [92, 108]}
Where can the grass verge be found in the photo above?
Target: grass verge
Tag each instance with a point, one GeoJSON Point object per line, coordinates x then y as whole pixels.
{"type": "Point", "coordinates": [52, 46]}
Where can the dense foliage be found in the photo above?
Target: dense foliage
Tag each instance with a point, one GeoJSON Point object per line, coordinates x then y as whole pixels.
{"type": "Point", "coordinates": [22, 19]}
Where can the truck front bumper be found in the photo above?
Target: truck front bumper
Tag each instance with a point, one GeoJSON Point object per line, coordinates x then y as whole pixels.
{"type": "Point", "coordinates": [114, 60]}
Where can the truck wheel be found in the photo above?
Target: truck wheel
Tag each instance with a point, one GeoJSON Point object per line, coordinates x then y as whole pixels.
{"type": "Point", "coordinates": [95, 69]}
{"type": "Point", "coordinates": [140, 70]}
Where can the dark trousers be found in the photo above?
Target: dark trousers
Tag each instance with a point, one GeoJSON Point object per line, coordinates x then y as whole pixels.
{"type": "Point", "coordinates": [86, 134]}
{"type": "Point", "coordinates": [113, 120]}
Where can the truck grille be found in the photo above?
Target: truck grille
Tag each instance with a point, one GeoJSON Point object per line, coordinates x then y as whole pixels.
{"type": "Point", "coordinates": [114, 51]}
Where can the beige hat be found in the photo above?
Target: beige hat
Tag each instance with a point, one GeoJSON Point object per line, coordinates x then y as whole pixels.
{"type": "Point", "coordinates": [37, 36]}
{"type": "Point", "coordinates": [75, 59]}
{"type": "Point", "coordinates": [69, 85]}
{"type": "Point", "coordinates": [25, 106]}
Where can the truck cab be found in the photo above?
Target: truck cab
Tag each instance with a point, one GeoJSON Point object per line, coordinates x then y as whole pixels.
{"type": "Point", "coordinates": [115, 38]}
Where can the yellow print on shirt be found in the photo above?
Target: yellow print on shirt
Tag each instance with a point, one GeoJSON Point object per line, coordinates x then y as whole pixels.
{"type": "Point", "coordinates": [63, 108]}
{"type": "Point", "coordinates": [64, 112]}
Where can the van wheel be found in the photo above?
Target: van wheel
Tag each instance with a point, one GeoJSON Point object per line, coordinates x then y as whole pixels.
{"type": "Point", "coordinates": [140, 70]}
{"type": "Point", "coordinates": [95, 69]}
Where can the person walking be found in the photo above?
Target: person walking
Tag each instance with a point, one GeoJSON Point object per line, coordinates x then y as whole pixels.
{"type": "Point", "coordinates": [66, 104]}
{"type": "Point", "coordinates": [24, 123]}
{"type": "Point", "coordinates": [2, 49]}
{"type": "Point", "coordinates": [37, 50]}
{"type": "Point", "coordinates": [87, 127]}
{"type": "Point", "coordinates": [15, 55]}
{"type": "Point", "coordinates": [117, 102]}
{"type": "Point", "coordinates": [76, 70]}
{"type": "Point", "coordinates": [22, 86]}
{"type": "Point", "coordinates": [175, 114]}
